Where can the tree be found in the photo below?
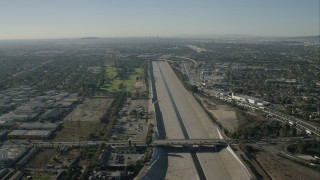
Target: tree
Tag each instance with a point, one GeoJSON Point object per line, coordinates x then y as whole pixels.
{"type": "Point", "coordinates": [121, 86]}
{"type": "Point", "coordinates": [85, 174]}
{"type": "Point", "coordinates": [129, 142]}
{"type": "Point", "coordinates": [241, 145]}
{"type": "Point", "coordinates": [294, 129]}
{"type": "Point", "coordinates": [286, 129]}
{"type": "Point", "coordinates": [301, 146]}
{"type": "Point", "coordinates": [149, 134]}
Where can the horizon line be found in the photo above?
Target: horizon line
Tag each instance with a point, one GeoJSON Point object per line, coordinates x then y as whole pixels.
{"type": "Point", "coordinates": [159, 36]}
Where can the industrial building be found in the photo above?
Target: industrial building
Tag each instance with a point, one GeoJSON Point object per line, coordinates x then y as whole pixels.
{"type": "Point", "coordinates": [38, 134]}
{"type": "Point", "coordinates": [23, 117]}
{"type": "Point", "coordinates": [7, 125]}
{"type": "Point", "coordinates": [27, 157]}
{"type": "Point", "coordinates": [51, 114]}
{"type": "Point", "coordinates": [63, 104]}
{"type": "Point", "coordinates": [3, 135]}
{"type": "Point", "coordinates": [11, 153]}
{"type": "Point", "coordinates": [17, 134]}
{"type": "Point", "coordinates": [29, 134]}
{"type": "Point", "coordinates": [39, 126]}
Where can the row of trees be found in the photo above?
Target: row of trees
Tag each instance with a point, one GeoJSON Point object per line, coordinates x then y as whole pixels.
{"type": "Point", "coordinates": [265, 129]}
{"type": "Point", "coordinates": [149, 136]}
{"type": "Point", "coordinates": [311, 147]}
{"type": "Point", "coordinates": [109, 119]}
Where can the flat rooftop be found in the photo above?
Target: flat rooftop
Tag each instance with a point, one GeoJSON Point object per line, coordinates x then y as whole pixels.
{"type": "Point", "coordinates": [11, 152]}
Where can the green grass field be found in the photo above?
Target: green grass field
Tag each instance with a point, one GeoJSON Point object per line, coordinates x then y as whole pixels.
{"type": "Point", "coordinates": [115, 84]}
{"type": "Point", "coordinates": [111, 72]}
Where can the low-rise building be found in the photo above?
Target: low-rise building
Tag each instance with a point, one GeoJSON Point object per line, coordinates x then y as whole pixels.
{"type": "Point", "coordinates": [38, 134]}
{"type": "Point", "coordinates": [17, 134]}
{"type": "Point", "coordinates": [11, 153]}
{"type": "Point", "coordinates": [39, 126]}
{"type": "Point", "coordinates": [3, 135]}
{"type": "Point", "coordinates": [30, 134]}
{"type": "Point", "coordinates": [23, 117]}
{"type": "Point", "coordinates": [51, 114]}
{"type": "Point", "coordinates": [7, 125]}
{"type": "Point", "coordinates": [63, 104]}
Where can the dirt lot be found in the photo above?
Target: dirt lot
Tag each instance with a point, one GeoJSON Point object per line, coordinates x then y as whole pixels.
{"type": "Point", "coordinates": [130, 126]}
{"type": "Point", "coordinates": [227, 116]}
{"type": "Point", "coordinates": [139, 87]}
{"type": "Point", "coordinates": [42, 158]}
{"type": "Point", "coordinates": [66, 159]}
{"type": "Point", "coordinates": [247, 119]}
{"type": "Point", "coordinates": [224, 113]}
{"type": "Point", "coordinates": [281, 168]}
{"type": "Point", "coordinates": [43, 176]}
{"type": "Point", "coordinates": [92, 110]}
{"type": "Point", "coordinates": [84, 120]}
{"type": "Point", "coordinates": [72, 132]}
{"type": "Point", "coordinates": [50, 157]}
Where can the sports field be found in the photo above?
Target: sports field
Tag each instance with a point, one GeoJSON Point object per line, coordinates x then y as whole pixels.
{"type": "Point", "coordinates": [114, 83]}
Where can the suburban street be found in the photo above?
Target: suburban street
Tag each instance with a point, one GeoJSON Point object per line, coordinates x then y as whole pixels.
{"type": "Point", "coordinates": [176, 104]}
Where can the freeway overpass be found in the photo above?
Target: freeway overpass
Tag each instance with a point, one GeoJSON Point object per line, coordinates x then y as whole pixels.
{"type": "Point", "coordinates": [158, 142]}
{"type": "Point", "coordinates": [165, 142]}
{"type": "Point", "coordinates": [179, 142]}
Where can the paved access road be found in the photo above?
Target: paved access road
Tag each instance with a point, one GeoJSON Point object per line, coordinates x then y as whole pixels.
{"type": "Point", "coordinates": [215, 165]}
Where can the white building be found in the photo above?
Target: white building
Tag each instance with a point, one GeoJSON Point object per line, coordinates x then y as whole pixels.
{"type": "Point", "coordinates": [249, 99]}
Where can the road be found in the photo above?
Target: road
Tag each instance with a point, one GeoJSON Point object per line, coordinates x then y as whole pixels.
{"type": "Point", "coordinates": [190, 69]}
{"type": "Point", "coordinates": [194, 61]}
{"type": "Point", "coordinates": [177, 104]}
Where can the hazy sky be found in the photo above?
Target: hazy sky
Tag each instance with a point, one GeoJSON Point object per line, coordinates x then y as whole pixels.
{"type": "Point", "coordinates": [25, 19]}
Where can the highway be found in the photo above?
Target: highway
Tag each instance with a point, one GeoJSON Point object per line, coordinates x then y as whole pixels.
{"type": "Point", "coordinates": [302, 125]}
{"type": "Point", "coordinates": [184, 118]}
{"type": "Point", "coordinates": [194, 61]}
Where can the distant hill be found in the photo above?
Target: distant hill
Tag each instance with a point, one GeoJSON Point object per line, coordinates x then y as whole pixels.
{"type": "Point", "coordinates": [304, 38]}
{"type": "Point", "coordinates": [90, 38]}
{"type": "Point", "coordinates": [252, 37]}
